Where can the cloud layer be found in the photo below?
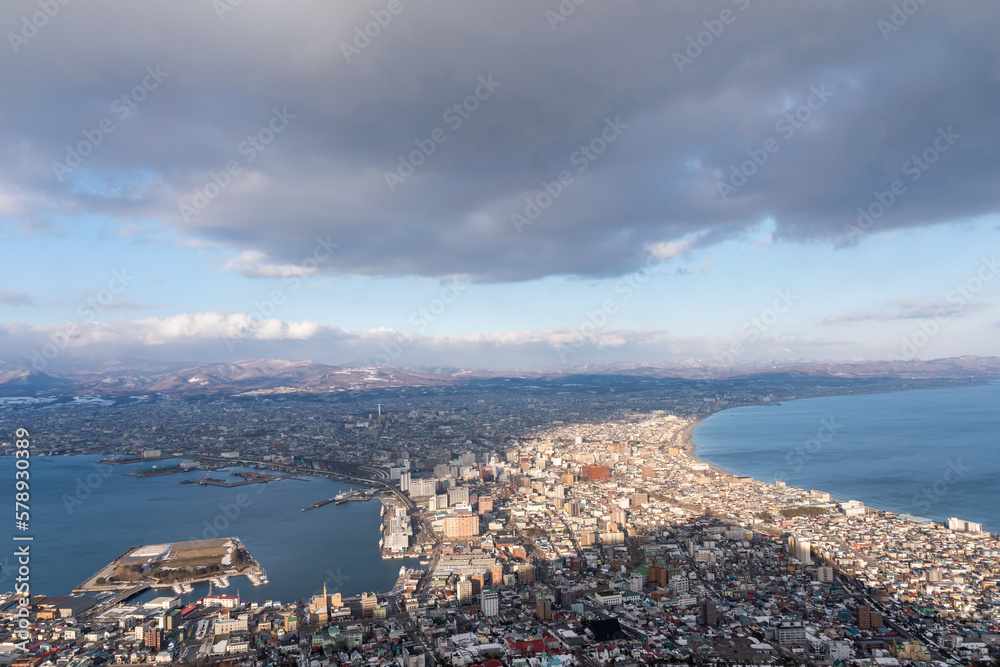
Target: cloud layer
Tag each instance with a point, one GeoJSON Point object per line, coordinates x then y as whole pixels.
{"type": "Point", "coordinates": [517, 145]}
{"type": "Point", "coordinates": [213, 336]}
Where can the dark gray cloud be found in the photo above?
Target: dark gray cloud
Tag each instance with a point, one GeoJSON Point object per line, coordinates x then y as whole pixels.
{"type": "Point", "coordinates": [878, 99]}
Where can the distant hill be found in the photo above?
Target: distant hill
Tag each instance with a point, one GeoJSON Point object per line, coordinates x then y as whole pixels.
{"type": "Point", "coordinates": [276, 376]}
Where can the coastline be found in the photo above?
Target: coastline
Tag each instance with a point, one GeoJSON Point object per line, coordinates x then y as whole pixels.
{"type": "Point", "coordinates": [685, 442]}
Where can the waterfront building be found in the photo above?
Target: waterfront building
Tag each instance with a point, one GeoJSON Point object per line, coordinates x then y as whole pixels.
{"type": "Point", "coordinates": [961, 526]}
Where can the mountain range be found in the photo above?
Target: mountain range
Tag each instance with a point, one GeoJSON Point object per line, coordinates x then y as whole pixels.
{"type": "Point", "coordinates": [274, 376]}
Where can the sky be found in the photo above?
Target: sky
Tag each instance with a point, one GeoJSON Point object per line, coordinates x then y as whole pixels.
{"type": "Point", "coordinates": [499, 184]}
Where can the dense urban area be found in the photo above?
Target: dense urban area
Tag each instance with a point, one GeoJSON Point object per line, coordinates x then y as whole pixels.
{"type": "Point", "coordinates": [559, 523]}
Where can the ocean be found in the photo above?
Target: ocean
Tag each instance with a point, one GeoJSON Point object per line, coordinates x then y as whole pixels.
{"type": "Point", "coordinates": [930, 453]}
{"type": "Point", "coordinates": [85, 514]}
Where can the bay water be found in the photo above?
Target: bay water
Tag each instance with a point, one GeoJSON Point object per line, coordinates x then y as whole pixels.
{"type": "Point", "coordinates": [85, 514]}
{"type": "Point", "coordinates": [930, 453]}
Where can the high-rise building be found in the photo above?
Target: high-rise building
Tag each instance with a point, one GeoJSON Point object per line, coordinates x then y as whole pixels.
{"type": "Point", "coordinates": [565, 596]}
{"type": "Point", "coordinates": [791, 633]}
{"type": "Point", "coordinates": [477, 582]}
{"type": "Point", "coordinates": [421, 488]}
{"type": "Point", "coordinates": [459, 494]}
{"type": "Point", "coordinates": [958, 525]}
{"type": "Point", "coordinates": [824, 573]}
{"type": "Point", "coordinates": [868, 619]}
{"type": "Point", "coordinates": [485, 504]}
{"type": "Point", "coordinates": [461, 526]}
{"type": "Point", "coordinates": [800, 549]}
{"type": "Point", "coordinates": [152, 637]}
{"type": "Point", "coordinates": [172, 619]}
{"type": "Point", "coordinates": [680, 585]}
{"type": "Point", "coordinates": [368, 602]}
{"type": "Point", "coordinates": [659, 575]}
{"type": "Point", "coordinates": [463, 591]}
{"type": "Point", "coordinates": [525, 574]}
{"type": "Point", "coordinates": [543, 608]}
{"type": "Point", "coordinates": [496, 574]}
{"type": "Point", "coordinates": [707, 615]}
{"type": "Point", "coordinates": [489, 602]}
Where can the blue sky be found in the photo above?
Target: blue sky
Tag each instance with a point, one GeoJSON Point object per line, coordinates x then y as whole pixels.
{"type": "Point", "coordinates": [411, 167]}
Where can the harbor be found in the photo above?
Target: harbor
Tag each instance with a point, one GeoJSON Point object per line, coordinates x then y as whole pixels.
{"type": "Point", "coordinates": [178, 566]}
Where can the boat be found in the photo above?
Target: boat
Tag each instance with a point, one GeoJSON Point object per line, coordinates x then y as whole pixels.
{"type": "Point", "coordinates": [187, 588]}
{"type": "Point", "coordinates": [221, 581]}
{"type": "Point", "coordinates": [178, 588]}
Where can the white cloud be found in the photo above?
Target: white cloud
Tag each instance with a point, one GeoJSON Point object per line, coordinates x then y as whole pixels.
{"type": "Point", "coordinates": [670, 249]}
{"type": "Point", "coordinates": [255, 264]}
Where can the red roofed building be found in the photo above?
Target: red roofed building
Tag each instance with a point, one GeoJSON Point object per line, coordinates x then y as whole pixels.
{"type": "Point", "coordinates": [595, 473]}
{"type": "Point", "coordinates": [525, 647]}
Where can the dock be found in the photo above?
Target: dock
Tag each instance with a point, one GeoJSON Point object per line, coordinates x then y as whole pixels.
{"type": "Point", "coordinates": [213, 481]}
{"type": "Point", "coordinates": [319, 504]}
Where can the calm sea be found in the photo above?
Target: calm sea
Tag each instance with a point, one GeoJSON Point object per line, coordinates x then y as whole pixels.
{"type": "Point", "coordinates": [84, 514]}
{"type": "Point", "coordinates": [932, 453]}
